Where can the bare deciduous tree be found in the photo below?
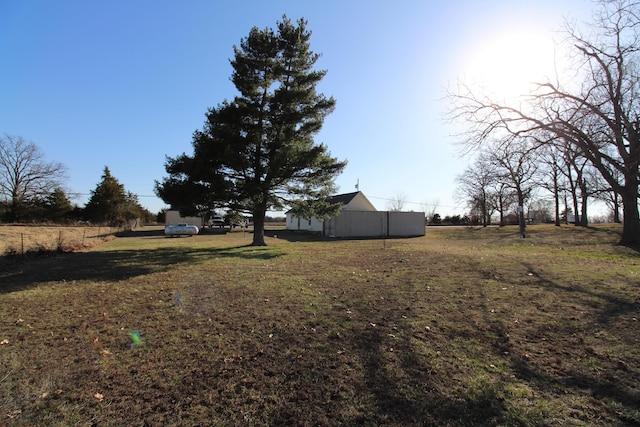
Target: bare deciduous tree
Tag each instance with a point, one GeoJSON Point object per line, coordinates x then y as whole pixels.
{"type": "Point", "coordinates": [552, 178]}
{"type": "Point", "coordinates": [397, 202]}
{"type": "Point", "coordinates": [475, 186]}
{"type": "Point", "coordinates": [24, 173]}
{"type": "Point", "coordinates": [610, 198]}
{"type": "Point", "coordinates": [516, 168]}
{"type": "Point", "coordinates": [597, 114]}
{"type": "Point", "coordinates": [430, 207]}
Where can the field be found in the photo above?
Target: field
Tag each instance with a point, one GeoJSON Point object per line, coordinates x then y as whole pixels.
{"type": "Point", "coordinates": [461, 327]}
{"type": "Point", "coordinates": [21, 239]}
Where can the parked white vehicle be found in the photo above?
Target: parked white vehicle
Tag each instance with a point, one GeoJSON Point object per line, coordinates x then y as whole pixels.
{"type": "Point", "coordinates": [181, 230]}
{"type": "Point", "coordinates": [217, 221]}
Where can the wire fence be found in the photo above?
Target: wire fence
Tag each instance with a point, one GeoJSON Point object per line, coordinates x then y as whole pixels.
{"type": "Point", "coordinates": [24, 239]}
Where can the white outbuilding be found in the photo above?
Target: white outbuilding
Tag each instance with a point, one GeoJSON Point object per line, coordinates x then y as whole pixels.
{"type": "Point", "coordinates": [359, 218]}
{"type": "Point", "coordinates": [173, 217]}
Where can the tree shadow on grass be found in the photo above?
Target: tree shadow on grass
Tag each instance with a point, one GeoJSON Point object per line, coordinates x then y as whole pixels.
{"type": "Point", "coordinates": [553, 367]}
{"type": "Point", "coordinates": [294, 236]}
{"type": "Point", "coordinates": [309, 236]}
{"type": "Point", "coordinates": [407, 393]}
{"type": "Point", "coordinates": [536, 234]}
{"type": "Point", "coordinates": [608, 306]}
{"type": "Point", "coordinates": [145, 232]}
{"type": "Point", "coordinates": [158, 232]}
{"type": "Point", "coordinates": [110, 266]}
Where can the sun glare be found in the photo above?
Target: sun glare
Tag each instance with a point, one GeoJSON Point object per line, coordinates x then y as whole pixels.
{"type": "Point", "coordinates": [505, 66]}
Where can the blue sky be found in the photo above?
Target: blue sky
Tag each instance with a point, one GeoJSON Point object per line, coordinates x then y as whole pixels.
{"type": "Point", "coordinates": [125, 83]}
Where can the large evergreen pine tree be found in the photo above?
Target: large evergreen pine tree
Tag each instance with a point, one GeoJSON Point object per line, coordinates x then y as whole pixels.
{"type": "Point", "coordinates": [110, 203]}
{"type": "Point", "coordinates": [257, 152]}
{"type": "Point", "coordinates": [58, 207]}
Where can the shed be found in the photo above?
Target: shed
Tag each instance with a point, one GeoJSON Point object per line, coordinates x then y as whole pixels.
{"type": "Point", "coordinates": [359, 218]}
{"type": "Point", "coordinates": [173, 217]}
{"type": "Point", "coordinates": [350, 202]}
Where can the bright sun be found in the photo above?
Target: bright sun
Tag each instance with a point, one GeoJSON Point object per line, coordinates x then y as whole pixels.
{"type": "Point", "coordinates": [506, 65]}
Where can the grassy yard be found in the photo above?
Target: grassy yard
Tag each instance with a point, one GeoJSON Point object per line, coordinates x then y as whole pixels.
{"type": "Point", "coordinates": [461, 327]}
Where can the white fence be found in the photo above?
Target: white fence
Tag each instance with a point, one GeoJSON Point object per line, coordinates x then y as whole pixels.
{"type": "Point", "coordinates": [375, 224]}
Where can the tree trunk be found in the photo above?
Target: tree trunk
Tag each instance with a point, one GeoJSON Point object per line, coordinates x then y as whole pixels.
{"type": "Point", "coordinates": [556, 197]}
{"type": "Point", "coordinates": [584, 221]}
{"type": "Point", "coordinates": [631, 217]}
{"type": "Point", "coordinates": [576, 214]}
{"type": "Point", "coordinates": [616, 208]}
{"type": "Point", "coordinates": [501, 210]}
{"type": "Point", "coordinates": [574, 196]}
{"type": "Point", "coordinates": [258, 226]}
{"type": "Point", "coordinates": [484, 213]}
{"type": "Point", "coordinates": [523, 225]}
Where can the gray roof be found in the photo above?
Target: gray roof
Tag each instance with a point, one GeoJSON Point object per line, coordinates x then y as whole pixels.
{"type": "Point", "coordinates": [345, 199]}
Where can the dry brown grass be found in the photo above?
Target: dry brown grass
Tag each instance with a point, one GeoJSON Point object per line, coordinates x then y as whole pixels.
{"type": "Point", "coordinates": [460, 327]}
{"type": "Point", "coordinates": [22, 239]}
